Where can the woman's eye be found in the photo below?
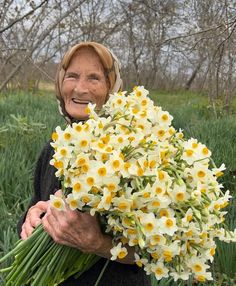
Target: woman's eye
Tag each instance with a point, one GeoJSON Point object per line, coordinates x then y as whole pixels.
{"type": "Point", "coordinates": [71, 76]}
{"type": "Point", "coordinates": [94, 77]}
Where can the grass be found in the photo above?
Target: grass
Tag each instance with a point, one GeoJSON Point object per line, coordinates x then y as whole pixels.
{"type": "Point", "coordinates": [27, 121]}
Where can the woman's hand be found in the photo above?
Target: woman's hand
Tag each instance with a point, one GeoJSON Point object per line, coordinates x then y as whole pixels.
{"type": "Point", "coordinates": [74, 228]}
{"type": "Point", "coordinates": [80, 230]}
{"type": "Point", "coordinates": [33, 218]}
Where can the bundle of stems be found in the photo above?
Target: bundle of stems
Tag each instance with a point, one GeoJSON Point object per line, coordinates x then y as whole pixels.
{"type": "Point", "coordinates": [39, 261]}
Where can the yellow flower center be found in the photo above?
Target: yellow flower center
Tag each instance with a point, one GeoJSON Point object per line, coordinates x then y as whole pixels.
{"type": "Point", "coordinates": [144, 102]}
{"type": "Point", "coordinates": [167, 255]}
{"type": "Point", "coordinates": [152, 164]}
{"type": "Point", "coordinates": [146, 195]}
{"type": "Point", "coordinates": [160, 133]}
{"type": "Point", "coordinates": [201, 174]}
{"type": "Point", "coordinates": [135, 110]}
{"type": "Point", "coordinates": [54, 136]}
{"type": "Point", "coordinates": [201, 278]}
{"type": "Point", "coordinates": [77, 187]}
{"type": "Point", "coordinates": [131, 231]}
{"type": "Point", "coordinates": [164, 212]}
{"type": "Point", "coordinates": [122, 206]}
{"type": "Point", "coordinates": [122, 254]}
{"type": "Point", "coordinates": [78, 128]}
{"type": "Point", "coordinates": [140, 172]}
{"type": "Point", "coordinates": [81, 161]}
{"type": "Point", "coordinates": [111, 187]}
{"type": "Point", "coordinates": [155, 204]}
{"type": "Point", "coordinates": [189, 217]}
{"type": "Point", "coordinates": [63, 152]}
{"type": "Point", "coordinates": [58, 164]}
{"type": "Point", "coordinates": [83, 143]}
{"type": "Point", "coordinates": [127, 166]}
{"type": "Point", "coordinates": [67, 136]}
{"type": "Point", "coordinates": [108, 199]}
{"type": "Point", "coordinates": [165, 117]}
{"type": "Point", "coordinates": [159, 271]}
{"type": "Point", "coordinates": [101, 145]}
{"type": "Point", "coordinates": [189, 152]}
{"type": "Point", "coordinates": [158, 190]}
{"type": "Point", "coordinates": [194, 145]}
{"type": "Point", "coordinates": [85, 168]}
{"type": "Point", "coordinates": [205, 151]}
{"type": "Point", "coordinates": [180, 197]}
{"type": "Point", "coordinates": [104, 157]}
{"type": "Point", "coordinates": [116, 164]}
{"type": "Point", "coordinates": [219, 174]}
{"type": "Point", "coordinates": [90, 181]}
{"type": "Point", "coordinates": [212, 251]}
{"type": "Point", "coordinates": [169, 223]}
{"type": "Point", "coordinates": [73, 203]}
{"type": "Point", "coordinates": [102, 171]}
{"type": "Point", "coordinates": [197, 267]}
{"type": "Point", "coordinates": [154, 255]}
{"type": "Point", "coordinates": [161, 175]}
{"type": "Point", "coordinates": [108, 149]}
{"type": "Point", "coordinates": [85, 199]}
{"type": "Point", "coordinates": [120, 139]}
{"type": "Point", "coordinates": [157, 238]}
{"type": "Point", "coordinates": [57, 204]}
{"type": "Point", "coordinates": [106, 139]}
{"type": "Point", "coordinates": [149, 226]}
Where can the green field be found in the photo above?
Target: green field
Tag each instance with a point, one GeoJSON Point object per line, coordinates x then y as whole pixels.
{"type": "Point", "coordinates": [27, 120]}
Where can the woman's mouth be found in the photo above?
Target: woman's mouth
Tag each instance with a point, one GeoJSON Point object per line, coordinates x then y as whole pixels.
{"type": "Point", "coordinates": [80, 101]}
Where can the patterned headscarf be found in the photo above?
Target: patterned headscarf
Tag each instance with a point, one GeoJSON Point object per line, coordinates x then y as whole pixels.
{"type": "Point", "coordinates": [110, 64]}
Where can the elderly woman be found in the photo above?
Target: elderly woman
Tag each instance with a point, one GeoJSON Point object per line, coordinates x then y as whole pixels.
{"type": "Point", "coordinates": [87, 73]}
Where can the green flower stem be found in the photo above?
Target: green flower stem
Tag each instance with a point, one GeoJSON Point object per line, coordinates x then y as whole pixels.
{"type": "Point", "coordinates": [21, 270]}
{"type": "Point", "coordinates": [101, 273]}
{"type": "Point", "coordinates": [20, 245]}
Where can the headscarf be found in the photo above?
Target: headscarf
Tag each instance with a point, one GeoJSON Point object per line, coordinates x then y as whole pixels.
{"type": "Point", "coordinates": [110, 64]}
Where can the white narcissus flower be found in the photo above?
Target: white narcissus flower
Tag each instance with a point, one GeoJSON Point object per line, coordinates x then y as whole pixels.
{"type": "Point", "coordinates": [157, 239]}
{"type": "Point", "coordinates": [178, 193]}
{"type": "Point", "coordinates": [171, 250]}
{"type": "Point", "coordinates": [183, 275]}
{"type": "Point", "coordinates": [90, 110]}
{"type": "Point", "coordinates": [122, 204]}
{"type": "Point", "coordinates": [57, 202]}
{"type": "Point", "coordinates": [164, 118]}
{"type": "Point", "coordinates": [140, 261]}
{"type": "Point", "coordinates": [167, 225]}
{"type": "Point", "coordinates": [106, 200]}
{"type": "Point", "coordinates": [149, 223]}
{"type": "Point", "coordinates": [198, 265]}
{"type": "Point", "coordinates": [118, 252]}
{"type": "Point", "coordinates": [72, 202]}
{"type": "Point", "coordinates": [218, 172]}
{"type": "Point", "coordinates": [159, 270]}
{"type": "Point", "coordinates": [139, 92]}
{"type": "Point", "coordinates": [115, 162]}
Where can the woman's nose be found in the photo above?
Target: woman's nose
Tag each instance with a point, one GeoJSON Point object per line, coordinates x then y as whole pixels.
{"type": "Point", "coordinates": [81, 85]}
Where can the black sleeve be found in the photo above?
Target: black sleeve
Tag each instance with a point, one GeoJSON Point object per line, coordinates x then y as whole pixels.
{"type": "Point", "coordinates": [45, 182]}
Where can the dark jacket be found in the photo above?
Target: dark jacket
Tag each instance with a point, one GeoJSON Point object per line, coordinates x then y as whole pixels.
{"type": "Point", "coordinates": [116, 274]}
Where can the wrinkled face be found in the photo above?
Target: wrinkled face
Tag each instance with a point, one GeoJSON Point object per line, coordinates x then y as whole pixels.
{"type": "Point", "coordinates": [84, 82]}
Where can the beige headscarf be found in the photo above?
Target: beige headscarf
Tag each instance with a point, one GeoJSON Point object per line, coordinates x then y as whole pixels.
{"type": "Point", "coordinates": [109, 61]}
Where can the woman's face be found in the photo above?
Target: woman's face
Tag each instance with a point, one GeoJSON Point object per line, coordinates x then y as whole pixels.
{"type": "Point", "coordinates": [84, 82]}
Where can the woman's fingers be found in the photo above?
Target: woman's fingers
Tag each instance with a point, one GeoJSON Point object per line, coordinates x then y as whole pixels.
{"type": "Point", "coordinates": [33, 218]}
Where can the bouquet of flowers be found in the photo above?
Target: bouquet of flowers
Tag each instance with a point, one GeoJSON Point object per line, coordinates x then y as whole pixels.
{"type": "Point", "coordinates": [155, 191]}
